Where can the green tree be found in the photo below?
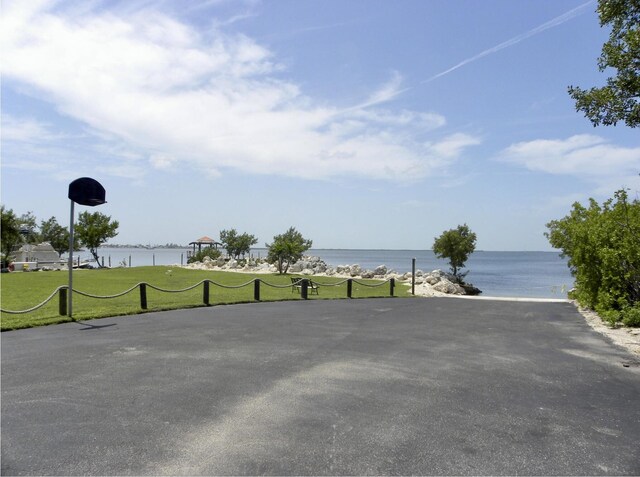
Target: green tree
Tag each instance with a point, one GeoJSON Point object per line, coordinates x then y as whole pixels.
{"type": "Point", "coordinates": [235, 244]}
{"type": "Point", "coordinates": [619, 99]}
{"type": "Point", "coordinates": [287, 248]}
{"type": "Point", "coordinates": [456, 245]}
{"type": "Point", "coordinates": [29, 227]}
{"type": "Point", "coordinates": [603, 249]}
{"type": "Point", "coordinates": [9, 232]}
{"type": "Point", "coordinates": [94, 229]}
{"type": "Point", "coordinates": [57, 235]}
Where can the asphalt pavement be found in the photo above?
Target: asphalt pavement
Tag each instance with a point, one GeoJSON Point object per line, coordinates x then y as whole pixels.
{"type": "Point", "coordinates": [325, 387]}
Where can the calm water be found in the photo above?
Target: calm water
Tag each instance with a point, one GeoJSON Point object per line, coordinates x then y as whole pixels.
{"type": "Point", "coordinates": [511, 274]}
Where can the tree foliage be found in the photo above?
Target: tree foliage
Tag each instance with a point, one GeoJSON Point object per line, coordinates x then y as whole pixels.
{"type": "Point", "coordinates": [10, 232]}
{"type": "Point", "coordinates": [54, 233]}
{"type": "Point", "coordinates": [29, 228]}
{"type": "Point", "coordinates": [235, 244]}
{"type": "Point", "coordinates": [602, 244]}
{"type": "Point", "coordinates": [619, 100]}
{"type": "Point", "coordinates": [455, 245]}
{"type": "Point", "coordinates": [287, 248]}
{"type": "Point", "coordinates": [94, 229]}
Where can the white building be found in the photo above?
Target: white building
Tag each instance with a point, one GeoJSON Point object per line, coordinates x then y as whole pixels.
{"type": "Point", "coordinates": [37, 256]}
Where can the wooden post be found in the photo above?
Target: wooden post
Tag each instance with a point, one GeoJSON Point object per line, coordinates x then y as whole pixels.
{"type": "Point", "coordinates": [181, 259]}
{"type": "Point", "coordinates": [256, 289]}
{"type": "Point", "coordinates": [205, 293]}
{"type": "Point", "coordinates": [143, 296]}
{"type": "Point", "coordinates": [392, 285]}
{"type": "Point", "coordinates": [349, 287]}
{"type": "Point", "coordinates": [62, 304]}
{"type": "Point", "coordinates": [304, 290]}
{"type": "Point", "coordinates": [154, 259]}
{"type": "Point", "coordinates": [129, 261]}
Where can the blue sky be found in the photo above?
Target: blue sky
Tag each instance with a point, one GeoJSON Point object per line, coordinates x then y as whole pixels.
{"type": "Point", "coordinates": [363, 123]}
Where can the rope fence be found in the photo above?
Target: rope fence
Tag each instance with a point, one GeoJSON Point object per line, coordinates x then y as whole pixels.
{"type": "Point", "coordinates": [302, 285]}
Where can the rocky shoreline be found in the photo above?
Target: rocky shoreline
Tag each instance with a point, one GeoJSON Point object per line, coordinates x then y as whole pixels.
{"type": "Point", "coordinates": [435, 283]}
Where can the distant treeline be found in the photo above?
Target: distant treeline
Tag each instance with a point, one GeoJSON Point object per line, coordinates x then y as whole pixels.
{"type": "Point", "coordinates": [148, 246]}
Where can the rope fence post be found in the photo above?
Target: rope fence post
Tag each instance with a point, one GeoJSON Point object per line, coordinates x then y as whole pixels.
{"type": "Point", "coordinates": [256, 289]}
{"type": "Point", "coordinates": [205, 293]}
{"type": "Point", "coordinates": [392, 285]}
{"type": "Point", "coordinates": [304, 290]}
{"type": "Point", "coordinates": [143, 296]}
{"type": "Point", "coordinates": [349, 287]}
{"type": "Point", "coordinates": [62, 303]}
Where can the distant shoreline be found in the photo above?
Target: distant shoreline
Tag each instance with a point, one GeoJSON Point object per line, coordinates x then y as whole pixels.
{"type": "Point", "coordinates": [145, 247]}
{"type": "Point", "coordinates": [177, 246]}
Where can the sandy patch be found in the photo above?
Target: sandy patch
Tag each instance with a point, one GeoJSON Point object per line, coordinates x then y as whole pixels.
{"type": "Point", "coordinates": [628, 338]}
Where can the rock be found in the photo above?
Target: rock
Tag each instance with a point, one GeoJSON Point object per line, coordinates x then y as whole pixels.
{"type": "Point", "coordinates": [296, 268]}
{"type": "Point", "coordinates": [471, 290]}
{"type": "Point", "coordinates": [380, 270]}
{"type": "Point", "coordinates": [432, 279]}
{"type": "Point", "coordinates": [307, 271]}
{"type": "Point", "coordinates": [355, 270]}
{"type": "Point", "coordinates": [445, 286]}
{"type": "Point", "coordinates": [367, 274]}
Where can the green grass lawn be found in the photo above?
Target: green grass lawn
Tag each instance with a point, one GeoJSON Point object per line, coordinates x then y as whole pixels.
{"type": "Point", "coordinates": [22, 290]}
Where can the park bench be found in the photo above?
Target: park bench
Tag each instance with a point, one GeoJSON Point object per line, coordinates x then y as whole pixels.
{"type": "Point", "coordinates": [296, 284]}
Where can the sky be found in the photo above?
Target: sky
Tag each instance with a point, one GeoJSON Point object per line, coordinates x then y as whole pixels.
{"type": "Point", "coordinates": [361, 123]}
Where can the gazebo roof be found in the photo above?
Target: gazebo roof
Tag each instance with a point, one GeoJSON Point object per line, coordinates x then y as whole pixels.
{"type": "Point", "coordinates": [204, 241]}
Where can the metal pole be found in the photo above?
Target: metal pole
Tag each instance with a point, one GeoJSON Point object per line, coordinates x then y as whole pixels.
{"type": "Point", "coordinates": [413, 276]}
{"type": "Point", "coordinates": [70, 307]}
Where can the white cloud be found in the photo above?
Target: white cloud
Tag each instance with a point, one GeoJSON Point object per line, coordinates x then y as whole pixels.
{"type": "Point", "coordinates": [161, 161]}
{"type": "Point", "coordinates": [585, 156]}
{"type": "Point", "coordinates": [25, 130]}
{"type": "Point", "coordinates": [453, 145]}
{"type": "Point", "coordinates": [214, 101]}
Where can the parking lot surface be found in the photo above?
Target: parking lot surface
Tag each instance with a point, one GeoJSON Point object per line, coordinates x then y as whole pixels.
{"type": "Point", "coordinates": [367, 387]}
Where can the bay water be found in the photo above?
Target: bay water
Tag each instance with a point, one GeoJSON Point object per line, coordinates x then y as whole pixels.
{"type": "Point", "coordinates": [503, 274]}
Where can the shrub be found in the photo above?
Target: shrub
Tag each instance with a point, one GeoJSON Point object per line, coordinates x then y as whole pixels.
{"type": "Point", "coordinates": [631, 315]}
{"type": "Point", "coordinates": [602, 245]}
{"type": "Point", "coordinates": [207, 252]}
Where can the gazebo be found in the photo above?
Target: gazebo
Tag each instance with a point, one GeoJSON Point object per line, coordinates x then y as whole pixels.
{"type": "Point", "coordinates": [206, 241]}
